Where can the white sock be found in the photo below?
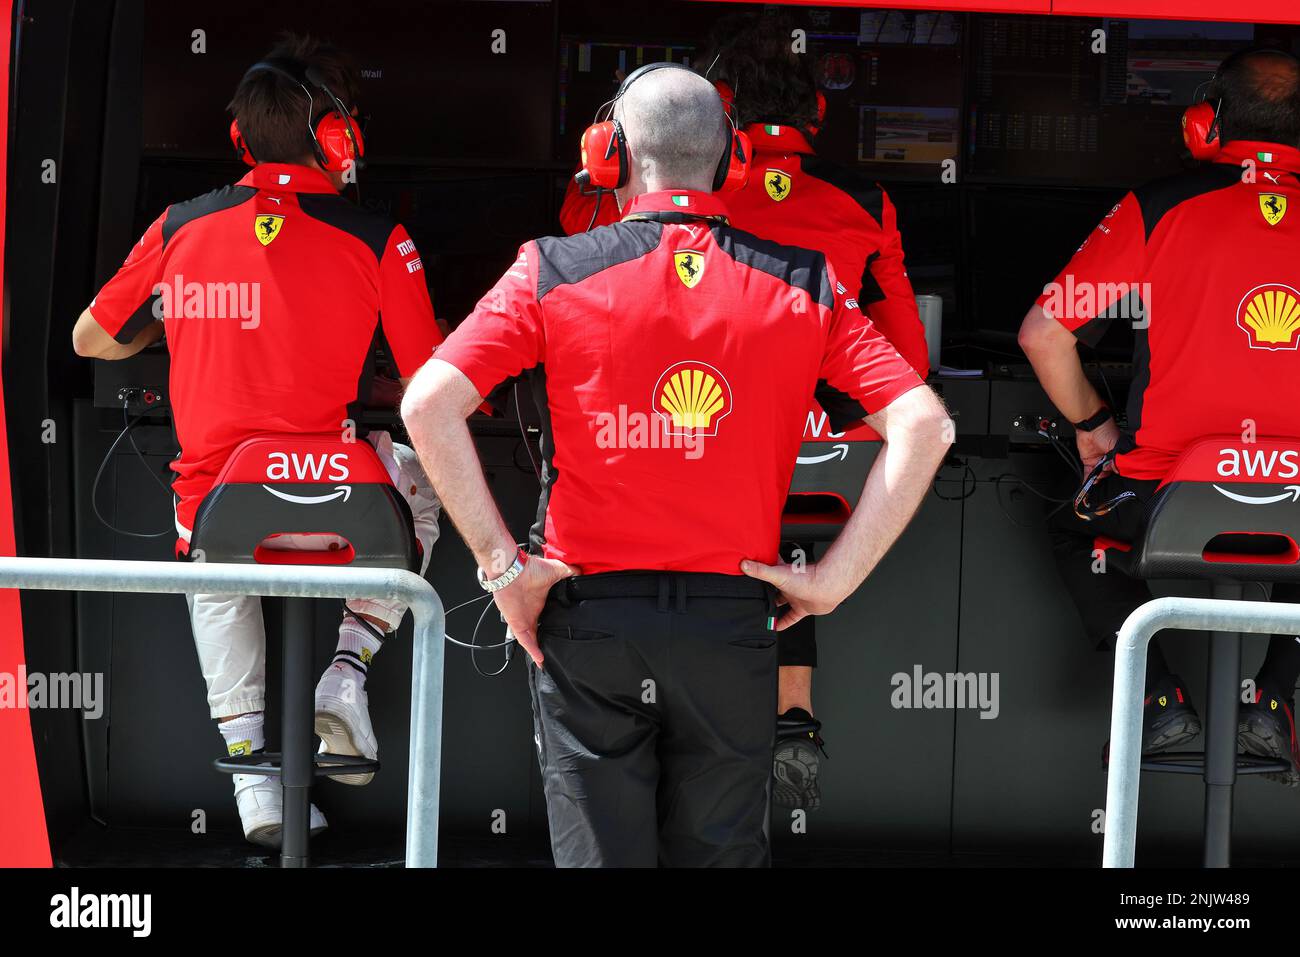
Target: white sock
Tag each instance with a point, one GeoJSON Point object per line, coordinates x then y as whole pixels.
{"type": "Point", "coordinates": [357, 645]}
{"type": "Point", "coordinates": [245, 734]}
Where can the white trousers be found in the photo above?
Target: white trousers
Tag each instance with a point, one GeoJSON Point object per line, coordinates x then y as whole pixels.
{"type": "Point", "coordinates": [228, 629]}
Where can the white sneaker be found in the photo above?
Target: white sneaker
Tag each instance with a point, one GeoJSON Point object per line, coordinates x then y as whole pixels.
{"type": "Point", "coordinates": [343, 718]}
{"type": "Point", "coordinates": [261, 807]}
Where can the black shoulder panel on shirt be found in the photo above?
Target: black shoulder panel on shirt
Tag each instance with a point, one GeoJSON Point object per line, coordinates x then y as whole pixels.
{"type": "Point", "coordinates": [866, 192]}
{"type": "Point", "coordinates": [1161, 196]}
{"type": "Point", "coordinates": [371, 228]}
{"type": "Point", "coordinates": [802, 268]}
{"type": "Point", "coordinates": [226, 197]}
{"type": "Point", "coordinates": [565, 260]}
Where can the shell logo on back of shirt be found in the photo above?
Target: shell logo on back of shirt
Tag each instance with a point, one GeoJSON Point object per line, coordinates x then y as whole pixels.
{"type": "Point", "coordinates": [692, 398]}
{"type": "Point", "coordinates": [1270, 317]}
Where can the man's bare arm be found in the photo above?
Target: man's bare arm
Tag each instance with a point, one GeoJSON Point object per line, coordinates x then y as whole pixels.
{"type": "Point", "coordinates": [1051, 351]}
{"type": "Point", "coordinates": [90, 340]}
{"type": "Point", "coordinates": [437, 403]}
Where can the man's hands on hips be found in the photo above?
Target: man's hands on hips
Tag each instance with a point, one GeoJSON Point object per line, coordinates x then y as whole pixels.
{"type": "Point", "coordinates": [520, 602]}
{"type": "Point", "coordinates": [1095, 444]}
{"type": "Point", "coordinates": [806, 589]}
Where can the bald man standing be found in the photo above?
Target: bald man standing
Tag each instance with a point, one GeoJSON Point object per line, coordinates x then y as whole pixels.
{"type": "Point", "coordinates": [673, 358]}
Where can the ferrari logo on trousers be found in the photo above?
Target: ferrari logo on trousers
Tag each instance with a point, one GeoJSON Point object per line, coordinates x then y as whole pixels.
{"type": "Point", "coordinates": [266, 227]}
{"type": "Point", "coordinates": [689, 266]}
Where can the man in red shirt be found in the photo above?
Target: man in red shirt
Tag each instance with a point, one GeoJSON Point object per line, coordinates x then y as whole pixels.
{"type": "Point", "coordinates": [269, 292]}
{"type": "Point", "coordinates": [1192, 260]}
{"type": "Point", "coordinates": [796, 198]}
{"type": "Point", "coordinates": [673, 358]}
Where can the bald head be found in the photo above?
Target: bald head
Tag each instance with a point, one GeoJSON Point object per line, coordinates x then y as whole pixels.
{"type": "Point", "coordinates": [676, 131]}
{"type": "Point", "coordinates": [1261, 98]}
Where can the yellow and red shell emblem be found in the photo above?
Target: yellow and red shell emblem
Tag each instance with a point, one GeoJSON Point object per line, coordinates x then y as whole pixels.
{"type": "Point", "coordinates": [1270, 316]}
{"type": "Point", "coordinates": [692, 398]}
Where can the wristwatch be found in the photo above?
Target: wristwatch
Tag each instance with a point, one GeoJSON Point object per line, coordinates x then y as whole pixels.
{"type": "Point", "coordinates": [1098, 418]}
{"type": "Point", "coordinates": [511, 573]}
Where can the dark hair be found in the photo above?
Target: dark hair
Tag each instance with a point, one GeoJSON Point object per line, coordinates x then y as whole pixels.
{"type": "Point", "coordinates": [273, 112]}
{"type": "Point", "coordinates": [1260, 101]}
{"type": "Point", "coordinates": [754, 55]}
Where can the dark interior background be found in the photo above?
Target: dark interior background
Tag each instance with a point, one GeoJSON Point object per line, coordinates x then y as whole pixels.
{"type": "Point", "coordinates": [471, 149]}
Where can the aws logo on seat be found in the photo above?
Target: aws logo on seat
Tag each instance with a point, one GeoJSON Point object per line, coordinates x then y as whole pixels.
{"type": "Point", "coordinates": [692, 398]}
{"type": "Point", "coordinates": [304, 468]}
{"type": "Point", "coordinates": [1270, 317]}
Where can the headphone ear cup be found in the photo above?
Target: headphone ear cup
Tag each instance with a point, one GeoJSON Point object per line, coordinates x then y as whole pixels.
{"type": "Point", "coordinates": [1200, 131]}
{"type": "Point", "coordinates": [604, 157]}
{"type": "Point", "coordinates": [335, 149]}
{"type": "Point", "coordinates": [241, 148]}
{"type": "Point", "coordinates": [733, 171]}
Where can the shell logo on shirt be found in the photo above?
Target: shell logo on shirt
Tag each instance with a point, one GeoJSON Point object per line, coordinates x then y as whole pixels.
{"type": "Point", "coordinates": [266, 227]}
{"type": "Point", "coordinates": [1270, 316]}
{"type": "Point", "coordinates": [777, 184]}
{"type": "Point", "coordinates": [689, 266]}
{"type": "Point", "coordinates": [692, 398]}
{"type": "Point", "coordinates": [1273, 206]}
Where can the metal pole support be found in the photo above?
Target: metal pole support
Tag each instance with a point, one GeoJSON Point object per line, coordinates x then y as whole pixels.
{"type": "Point", "coordinates": [1192, 614]}
{"type": "Point", "coordinates": [294, 581]}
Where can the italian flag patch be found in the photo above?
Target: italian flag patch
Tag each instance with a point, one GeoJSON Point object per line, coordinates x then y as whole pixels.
{"type": "Point", "coordinates": [1265, 157]}
{"type": "Point", "coordinates": [771, 130]}
{"type": "Point", "coordinates": [681, 201]}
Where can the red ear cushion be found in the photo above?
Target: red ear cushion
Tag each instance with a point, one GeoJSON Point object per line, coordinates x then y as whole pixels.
{"type": "Point", "coordinates": [1198, 121]}
{"type": "Point", "coordinates": [821, 107]}
{"type": "Point", "coordinates": [600, 156]}
{"type": "Point", "coordinates": [336, 144]}
{"type": "Point", "coordinates": [738, 167]}
{"type": "Point", "coordinates": [237, 140]}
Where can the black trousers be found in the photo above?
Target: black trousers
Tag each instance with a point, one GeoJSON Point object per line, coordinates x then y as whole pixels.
{"type": "Point", "coordinates": [655, 715]}
{"type": "Point", "coordinates": [1105, 600]}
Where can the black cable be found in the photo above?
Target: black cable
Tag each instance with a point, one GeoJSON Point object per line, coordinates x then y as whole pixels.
{"type": "Point", "coordinates": [99, 475]}
{"type": "Point", "coordinates": [523, 432]}
{"type": "Point", "coordinates": [974, 484]}
{"type": "Point", "coordinates": [600, 194]}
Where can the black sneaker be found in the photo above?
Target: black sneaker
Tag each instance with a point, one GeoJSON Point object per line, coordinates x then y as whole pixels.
{"type": "Point", "coordinates": [1168, 719]}
{"type": "Point", "coordinates": [1266, 727]}
{"type": "Point", "coordinates": [796, 761]}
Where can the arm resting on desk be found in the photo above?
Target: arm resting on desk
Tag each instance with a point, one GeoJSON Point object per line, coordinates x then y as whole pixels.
{"type": "Point", "coordinates": [91, 341]}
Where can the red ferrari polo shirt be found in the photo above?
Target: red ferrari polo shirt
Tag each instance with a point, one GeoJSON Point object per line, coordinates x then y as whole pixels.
{"type": "Point", "coordinates": [674, 359]}
{"type": "Point", "coordinates": [270, 291]}
{"type": "Point", "coordinates": [1206, 266]}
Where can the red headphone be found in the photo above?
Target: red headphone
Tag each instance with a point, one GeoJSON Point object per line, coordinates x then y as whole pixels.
{"type": "Point", "coordinates": [729, 103]}
{"type": "Point", "coordinates": [1201, 127]}
{"type": "Point", "coordinates": [335, 138]}
{"type": "Point", "coordinates": [605, 161]}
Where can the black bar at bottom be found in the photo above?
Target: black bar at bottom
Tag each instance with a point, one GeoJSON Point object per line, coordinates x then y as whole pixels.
{"type": "Point", "coordinates": [296, 730]}
{"type": "Point", "coordinates": [1223, 694]}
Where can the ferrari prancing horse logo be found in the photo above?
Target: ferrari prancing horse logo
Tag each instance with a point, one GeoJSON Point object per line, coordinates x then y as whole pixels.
{"type": "Point", "coordinates": [1273, 206]}
{"type": "Point", "coordinates": [689, 266]}
{"type": "Point", "coordinates": [777, 184]}
{"type": "Point", "coordinates": [266, 227]}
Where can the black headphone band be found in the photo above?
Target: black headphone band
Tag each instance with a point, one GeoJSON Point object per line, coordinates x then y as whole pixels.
{"type": "Point", "coordinates": [305, 76]}
{"type": "Point", "coordinates": [720, 174]}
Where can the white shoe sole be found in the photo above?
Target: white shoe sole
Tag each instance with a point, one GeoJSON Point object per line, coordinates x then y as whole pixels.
{"type": "Point", "coordinates": [267, 834]}
{"type": "Point", "coordinates": [337, 738]}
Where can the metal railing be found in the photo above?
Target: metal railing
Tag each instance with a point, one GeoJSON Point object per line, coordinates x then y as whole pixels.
{"type": "Point", "coordinates": [294, 581]}
{"type": "Point", "coordinates": [1191, 614]}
